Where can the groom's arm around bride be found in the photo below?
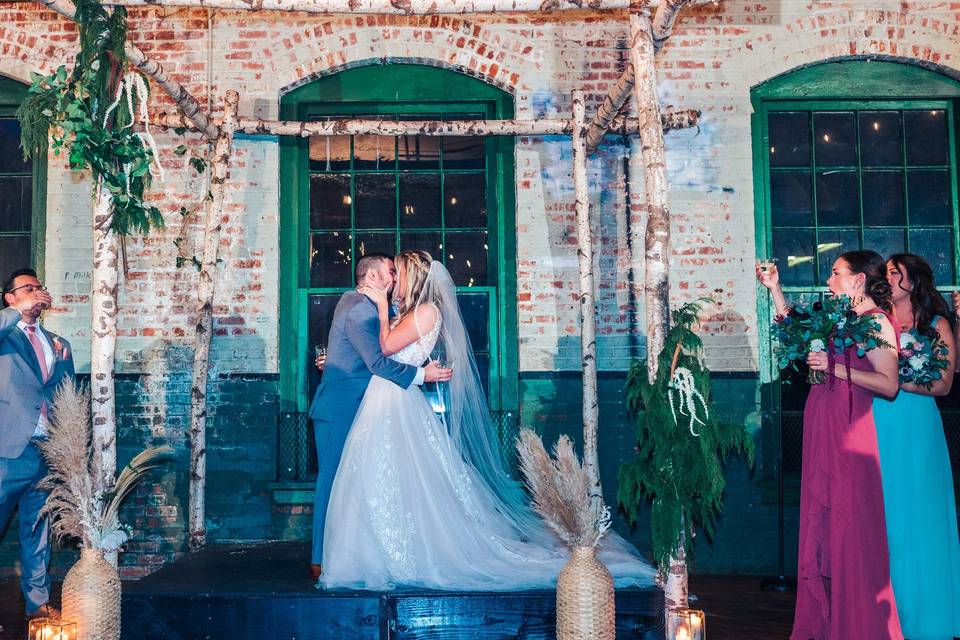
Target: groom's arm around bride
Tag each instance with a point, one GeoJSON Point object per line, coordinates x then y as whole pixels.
{"type": "Point", "coordinates": [354, 355]}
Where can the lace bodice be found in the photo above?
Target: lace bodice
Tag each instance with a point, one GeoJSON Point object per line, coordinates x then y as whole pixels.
{"type": "Point", "coordinates": [417, 352]}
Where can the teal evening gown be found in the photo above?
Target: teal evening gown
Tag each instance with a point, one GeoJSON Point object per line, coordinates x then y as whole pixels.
{"type": "Point", "coordinates": [921, 515]}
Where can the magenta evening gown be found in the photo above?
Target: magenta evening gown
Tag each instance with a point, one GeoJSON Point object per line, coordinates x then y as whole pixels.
{"type": "Point", "coordinates": [843, 587]}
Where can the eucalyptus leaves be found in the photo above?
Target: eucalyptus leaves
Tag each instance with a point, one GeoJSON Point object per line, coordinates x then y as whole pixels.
{"type": "Point", "coordinates": [830, 325]}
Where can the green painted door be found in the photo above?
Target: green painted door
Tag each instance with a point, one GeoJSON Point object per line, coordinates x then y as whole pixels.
{"type": "Point", "coordinates": [344, 197]}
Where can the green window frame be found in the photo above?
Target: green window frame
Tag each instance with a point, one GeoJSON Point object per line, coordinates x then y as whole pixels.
{"type": "Point", "coordinates": [12, 94]}
{"type": "Point", "coordinates": [843, 86]}
{"type": "Point", "coordinates": [394, 91]}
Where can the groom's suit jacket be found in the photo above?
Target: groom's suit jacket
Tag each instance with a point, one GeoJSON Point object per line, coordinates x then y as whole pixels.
{"type": "Point", "coordinates": [22, 389]}
{"type": "Point", "coordinates": [353, 357]}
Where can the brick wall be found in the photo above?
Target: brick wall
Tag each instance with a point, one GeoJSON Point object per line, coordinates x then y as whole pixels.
{"type": "Point", "coordinates": [715, 56]}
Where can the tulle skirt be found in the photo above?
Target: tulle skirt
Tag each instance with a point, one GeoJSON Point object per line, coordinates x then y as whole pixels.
{"type": "Point", "coordinates": [407, 510]}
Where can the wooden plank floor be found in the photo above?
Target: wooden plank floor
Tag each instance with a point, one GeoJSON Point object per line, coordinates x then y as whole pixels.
{"type": "Point", "coordinates": [736, 607]}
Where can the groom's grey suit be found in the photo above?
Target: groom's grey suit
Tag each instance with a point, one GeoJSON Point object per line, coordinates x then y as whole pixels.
{"type": "Point", "coordinates": [22, 394]}
{"type": "Point", "coordinates": [353, 357]}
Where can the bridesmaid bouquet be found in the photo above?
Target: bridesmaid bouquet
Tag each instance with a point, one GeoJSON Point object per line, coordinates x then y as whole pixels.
{"type": "Point", "coordinates": [831, 325]}
{"type": "Point", "coordinates": [922, 358]}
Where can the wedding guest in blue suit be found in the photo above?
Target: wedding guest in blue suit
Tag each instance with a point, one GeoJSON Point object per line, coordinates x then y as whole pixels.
{"type": "Point", "coordinates": [33, 363]}
{"type": "Point", "coordinates": [915, 466]}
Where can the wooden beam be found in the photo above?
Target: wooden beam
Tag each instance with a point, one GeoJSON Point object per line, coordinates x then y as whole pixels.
{"type": "Point", "coordinates": [612, 104]}
{"type": "Point", "coordinates": [153, 69]}
{"type": "Point", "coordinates": [624, 126]}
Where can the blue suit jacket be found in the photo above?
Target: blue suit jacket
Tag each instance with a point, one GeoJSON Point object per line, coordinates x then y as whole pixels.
{"type": "Point", "coordinates": [22, 389]}
{"type": "Point", "coordinates": [353, 357]}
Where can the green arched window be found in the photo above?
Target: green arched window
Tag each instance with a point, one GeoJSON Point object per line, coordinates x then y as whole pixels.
{"type": "Point", "coordinates": [22, 189]}
{"type": "Point", "coordinates": [342, 197]}
{"type": "Point", "coordinates": [851, 154]}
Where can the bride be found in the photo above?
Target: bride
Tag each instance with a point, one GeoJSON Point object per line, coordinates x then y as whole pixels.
{"type": "Point", "coordinates": [423, 501]}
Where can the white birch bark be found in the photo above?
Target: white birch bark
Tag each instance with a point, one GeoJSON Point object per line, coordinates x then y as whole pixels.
{"type": "Point", "coordinates": [657, 238]}
{"type": "Point", "coordinates": [402, 7]}
{"type": "Point", "coordinates": [213, 224]}
{"type": "Point", "coordinates": [670, 120]}
{"type": "Point", "coordinates": [103, 342]}
{"type": "Point", "coordinates": [612, 104]}
{"type": "Point", "coordinates": [588, 329]}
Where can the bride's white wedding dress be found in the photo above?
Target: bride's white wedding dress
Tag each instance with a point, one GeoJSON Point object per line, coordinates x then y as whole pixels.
{"type": "Point", "coordinates": [407, 509]}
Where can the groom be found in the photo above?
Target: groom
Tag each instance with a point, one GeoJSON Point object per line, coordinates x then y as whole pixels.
{"type": "Point", "coordinates": [353, 357]}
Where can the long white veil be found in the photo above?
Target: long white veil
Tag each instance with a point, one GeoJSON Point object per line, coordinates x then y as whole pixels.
{"type": "Point", "coordinates": [467, 413]}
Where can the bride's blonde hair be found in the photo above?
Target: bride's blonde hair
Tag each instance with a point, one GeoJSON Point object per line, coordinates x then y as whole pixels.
{"type": "Point", "coordinates": [415, 264]}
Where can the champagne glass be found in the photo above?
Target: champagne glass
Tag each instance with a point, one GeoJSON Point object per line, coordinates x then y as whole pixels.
{"type": "Point", "coordinates": [767, 264]}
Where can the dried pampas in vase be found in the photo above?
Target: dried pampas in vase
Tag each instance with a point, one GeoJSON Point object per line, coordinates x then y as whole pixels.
{"type": "Point", "coordinates": [78, 509]}
{"type": "Point", "coordinates": [561, 495]}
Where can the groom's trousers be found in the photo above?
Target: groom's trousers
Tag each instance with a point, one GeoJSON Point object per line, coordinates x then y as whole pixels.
{"type": "Point", "coordinates": [330, 438]}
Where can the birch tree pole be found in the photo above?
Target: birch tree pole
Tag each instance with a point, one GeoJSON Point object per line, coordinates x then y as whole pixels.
{"type": "Point", "coordinates": [103, 341]}
{"type": "Point", "coordinates": [213, 224]}
{"type": "Point", "coordinates": [588, 316]}
{"type": "Point", "coordinates": [657, 238]}
{"type": "Point", "coordinates": [653, 156]}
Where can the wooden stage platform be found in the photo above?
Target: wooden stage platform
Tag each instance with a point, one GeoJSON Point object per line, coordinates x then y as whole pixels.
{"type": "Point", "coordinates": [261, 592]}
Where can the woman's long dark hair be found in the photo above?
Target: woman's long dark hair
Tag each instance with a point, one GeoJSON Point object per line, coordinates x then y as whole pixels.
{"type": "Point", "coordinates": [927, 302]}
{"type": "Point", "coordinates": [874, 267]}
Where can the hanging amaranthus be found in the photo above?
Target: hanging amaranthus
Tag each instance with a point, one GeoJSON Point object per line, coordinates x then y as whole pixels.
{"type": "Point", "coordinates": [681, 443]}
{"type": "Point", "coordinates": [89, 112]}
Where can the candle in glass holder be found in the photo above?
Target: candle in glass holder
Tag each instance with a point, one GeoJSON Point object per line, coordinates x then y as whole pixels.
{"type": "Point", "coordinates": [50, 629]}
{"type": "Point", "coordinates": [686, 624]}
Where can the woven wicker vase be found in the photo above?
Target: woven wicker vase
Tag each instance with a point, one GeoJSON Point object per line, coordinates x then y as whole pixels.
{"type": "Point", "coordinates": [91, 597]}
{"type": "Point", "coordinates": [585, 604]}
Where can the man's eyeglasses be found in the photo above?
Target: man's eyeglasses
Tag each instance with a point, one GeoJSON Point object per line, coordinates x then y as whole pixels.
{"type": "Point", "coordinates": [29, 287]}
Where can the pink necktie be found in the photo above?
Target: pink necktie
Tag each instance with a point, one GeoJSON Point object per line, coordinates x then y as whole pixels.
{"type": "Point", "coordinates": [38, 349]}
{"type": "Point", "coordinates": [41, 358]}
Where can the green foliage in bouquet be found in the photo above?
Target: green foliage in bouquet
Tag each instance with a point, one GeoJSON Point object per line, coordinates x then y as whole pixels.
{"type": "Point", "coordinates": [681, 443]}
{"type": "Point", "coordinates": [832, 325]}
{"type": "Point", "coordinates": [80, 111]}
{"type": "Point", "coordinates": [923, 358]}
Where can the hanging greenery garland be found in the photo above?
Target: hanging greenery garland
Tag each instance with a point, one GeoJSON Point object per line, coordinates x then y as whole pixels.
{"type": "Point", "coordinates": [681, 443]}
{"type": "Point", "coordinates": [97, 114]}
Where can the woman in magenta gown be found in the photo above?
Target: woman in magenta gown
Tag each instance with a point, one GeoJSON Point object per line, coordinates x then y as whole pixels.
{"type": "Point", "coordinates": [843, 574]}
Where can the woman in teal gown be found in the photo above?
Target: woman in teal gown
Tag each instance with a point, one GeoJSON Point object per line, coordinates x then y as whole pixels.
{"type": "Point", "coordinates": [915, 467]}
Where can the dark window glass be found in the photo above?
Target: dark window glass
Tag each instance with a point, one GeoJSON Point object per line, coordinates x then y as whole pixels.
{"type": "Point", "coordinates": [791, 198]}
{"type": "Point", "coordinates": [838, 199]}
{"type": "Point", "coordinates": [927, 137]}
{"type": "Point", "coordinates": [374, 153]}
{"type": "Point", "coordinates": [465, 200]}
{"type": "Point", "coordinates": [320, 310]}
{"type": "Point", "coordinates": [476, 315]}
{"type": "Point", "coordinates": [14, 253]}
{"type": "Point", "coordinates": [429, 241]}
{"type": "Point", "coordinates": [375, 205]}
{"type": "Point", "coordinates": [886, 242]}
{"type": "Point", "coordinates": [11, 160]}
{"type": "Point", "coordinates": [833, 242]}
{"type": "Point", "coordinates": [15, 210]}
{"type": "Point", "coordinates": [881, 139]}
{"type": "Point", "coordinates": [466, 258]}
{"type": "Point", "coordinates": [419, 152]}
{"type": "Point", "coordinates": [794, 252]}
{"type": "Point", "coordinates": [929, 197]}
{"type": "Point", "coordinates": [330, 201]}
{"type": "Point", "coordinates": [789, 134]}
{"type": "Point", "coordinates": [936, 245]}
{"type": "Point", "coordinates": [368, 243]}
{"type": "Point", "coordinates": [835, 137]}
{"type": "Point", "coordinates": [420, 200]}
{"type": "Point", "coordinates": [331, 263]}
{"type": "Point", "coordinates": [882, 198]}
{"type": "Point", "coordinates": [464, 153]}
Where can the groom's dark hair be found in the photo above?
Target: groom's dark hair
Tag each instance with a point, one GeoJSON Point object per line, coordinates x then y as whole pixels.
{"type": "Point", "coordinates": [369, 262]}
